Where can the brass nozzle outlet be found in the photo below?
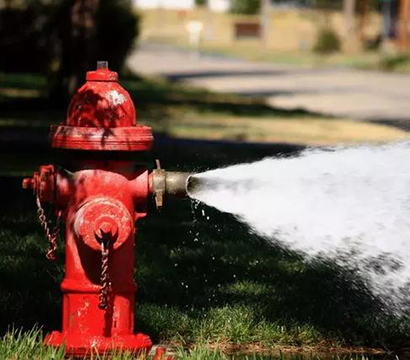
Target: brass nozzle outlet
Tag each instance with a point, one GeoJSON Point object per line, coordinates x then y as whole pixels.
{"type": "Point", "coordinates": [168, 184]}
{"type": "Point", "coordinates": [193, 184]}
{"type": "Point", "coordinates": [176, 184]}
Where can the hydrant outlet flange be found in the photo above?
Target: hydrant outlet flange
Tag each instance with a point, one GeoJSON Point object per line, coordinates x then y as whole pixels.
{"type": "Point", "coordinates": [103, 217]}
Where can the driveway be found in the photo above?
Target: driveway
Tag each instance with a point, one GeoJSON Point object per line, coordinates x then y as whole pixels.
{"type": "Point", "coordinates": [358, 95]}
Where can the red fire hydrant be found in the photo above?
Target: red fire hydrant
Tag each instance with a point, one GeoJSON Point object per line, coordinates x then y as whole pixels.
{"type": "Point", "coordinates": [100, 197]}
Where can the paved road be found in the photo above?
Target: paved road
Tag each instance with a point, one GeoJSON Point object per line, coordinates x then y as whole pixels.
{"type": "Point", "coordinates": [354, 94]}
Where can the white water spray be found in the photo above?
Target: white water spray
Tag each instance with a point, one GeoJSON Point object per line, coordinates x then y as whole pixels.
{"type": "Point", "coordinates": [349, 205]}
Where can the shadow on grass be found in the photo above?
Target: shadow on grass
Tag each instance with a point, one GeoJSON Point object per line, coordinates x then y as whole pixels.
{"type": "Point", "coordinates": [201, 274]}
{"type": "Point", "coordinates": [147, 95]}
{"type": "Point", "coordinates": [198, 278]}
{"type": "Point", "coordinates": [152, 100]}
{"type": "Point", "coordinates": [203, 267]}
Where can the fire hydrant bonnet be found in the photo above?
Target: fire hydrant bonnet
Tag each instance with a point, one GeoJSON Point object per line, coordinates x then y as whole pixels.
{"type": "Point", "coordinates": [102, 117]}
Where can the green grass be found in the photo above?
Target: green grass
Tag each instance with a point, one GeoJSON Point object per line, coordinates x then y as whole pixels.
{"type": "Point", "coordinates": [173, 111]}
{"type": "Point", "coordinates": [20, 345]}
{"type": "Point", "coordinates": [201, 281]}
{"type": "Point", "coordinates": [228, 287]}
{"type": "Point", "coordinates": [16, 344]}
{"type": "Point", "coordinates": [364, 60]}
{"type": "Point", "coordinates": [164, 106]}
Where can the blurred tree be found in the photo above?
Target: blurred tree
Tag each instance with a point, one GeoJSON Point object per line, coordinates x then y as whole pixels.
{"type": "Point", "coordinates": [340, 4]}
{"type": "Point", "coordinates": [327, 42]}
{"type": "Point", "coordinates": [327, 4]}
{"type": "Point", "coordinates": [349, 9]}
{"type": "Point", "coordinates": [403, 25]}
{"type": "Point", "coordinates": [349, 13]}
{"type": "Point", "coordinates": [90, 30]}
{"type": "Point", "coordinates": [23, 42]}
{"type": "Point", "coordinates": [245, 6]}
{"type": "Point", "coordinates": [64, 38]}
{"type": "Point", "coordinates": [265, 7]}
{"type": "Point", "coordinates": [83, 39]}
{"type": "Point", "coordinates": [389, 10]}
{"type": "Point", "coordinates": [363, 11]}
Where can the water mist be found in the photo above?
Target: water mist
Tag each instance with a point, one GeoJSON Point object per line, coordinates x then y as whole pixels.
{"type": "Point", "coordinates": [348, 205]}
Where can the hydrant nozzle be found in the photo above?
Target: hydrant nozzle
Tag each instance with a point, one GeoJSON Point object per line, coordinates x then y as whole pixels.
{"type": "Point", "coordinates": [168, 184]}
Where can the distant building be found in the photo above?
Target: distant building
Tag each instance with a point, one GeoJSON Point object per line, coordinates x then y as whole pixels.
{"type": "Point", "coordinates": [220, 6]}
{"type": "Point", "coordinates": [165, 4]}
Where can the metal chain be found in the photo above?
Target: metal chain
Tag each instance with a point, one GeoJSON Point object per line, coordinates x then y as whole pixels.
{"type": "Point", "coordinates": [51, 236]}
{"type": "Point", "coordinates": [105, 278]}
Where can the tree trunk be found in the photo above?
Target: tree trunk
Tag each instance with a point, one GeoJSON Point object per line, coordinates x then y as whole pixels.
{"type": "Point", "coordinates": [403, 25]}
{"type": "Point", "coordinates": [387, 19]}
{"type": "Point", "coordinates": [83, 20]}
{"type": "Point", "coordinates": [209, 23]}
{"type": "Point", "coordinates": [364, 13]}
{"type": "Point", "coordinates": [265, 20]}
{"type": "Point", "coordinates": [348, 9]}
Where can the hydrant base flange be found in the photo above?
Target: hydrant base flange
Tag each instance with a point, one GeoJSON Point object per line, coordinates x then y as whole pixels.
{"type": "Point", "coordinates": [77, 346]}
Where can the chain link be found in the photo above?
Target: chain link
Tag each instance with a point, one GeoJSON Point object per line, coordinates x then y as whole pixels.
{"type": "Point", "coordinates": [51, 236]}
{"type": "Point", "coordinates": [105, 278]}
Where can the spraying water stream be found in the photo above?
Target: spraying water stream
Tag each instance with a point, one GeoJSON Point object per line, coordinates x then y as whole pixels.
{"type": "Point", "coordinates": [348, 205]}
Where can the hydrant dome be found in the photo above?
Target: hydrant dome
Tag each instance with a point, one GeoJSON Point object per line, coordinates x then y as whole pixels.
{"type": "Point", "coordinates": [101, 102]}
{"type": "Point", "coordinates": [101, 116]}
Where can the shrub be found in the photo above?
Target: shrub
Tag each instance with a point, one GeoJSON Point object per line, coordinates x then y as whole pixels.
{"type": "Point", "coordinates": [327, 42]}
{"type": "Point", "coordinates": [245, 6]}
{"type": "Point", "coordinates": [42, 31]}
{"type": "Point", "coordinates": [117, 28]}
{"type": "Point", "coordinates": [23, 39]}
{"type": "Point", "coordinates": [393, 62]}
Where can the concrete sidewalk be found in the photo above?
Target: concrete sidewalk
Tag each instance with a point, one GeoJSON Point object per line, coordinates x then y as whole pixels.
{"type": "Point", "coordinates": [361, 95]}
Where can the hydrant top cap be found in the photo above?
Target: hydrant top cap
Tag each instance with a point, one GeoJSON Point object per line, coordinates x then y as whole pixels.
{"type": "Point", "coordinates": [102, 75]}
{"type": "Point", "coordinates": [101, 116]}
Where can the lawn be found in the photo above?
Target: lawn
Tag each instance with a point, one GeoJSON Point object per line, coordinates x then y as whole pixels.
{"type": "Point", "coordinates": [364, 60]}
{"type": "Point", "coordinates": [292, 35]}
{"type": "Point", "coordinates": [174, 110]}
{"type": "Point", "coordinates": [203, 278]}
